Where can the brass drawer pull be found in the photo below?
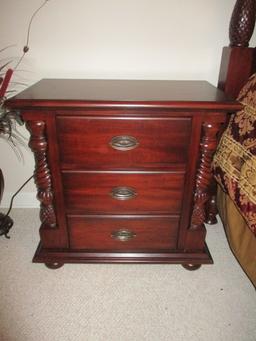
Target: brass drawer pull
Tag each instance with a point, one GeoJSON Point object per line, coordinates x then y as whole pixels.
{"type": "Point", "coordinates": [123, 193]}
{"type": "Point", "coordinates": [123, 235]}
{"type": "Point", "coordinates": [124, 142]}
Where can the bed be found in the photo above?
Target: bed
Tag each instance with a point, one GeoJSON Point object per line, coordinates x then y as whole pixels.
{"type": "Point", "coordinates": [234, 163]}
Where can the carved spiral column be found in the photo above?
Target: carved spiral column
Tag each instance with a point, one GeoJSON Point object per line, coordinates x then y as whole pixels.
{"type": "Point", "coordinates": [204, 176]}
{"type": "Point", "coordinates": [38, 145]}
{"type": "Point", "coordinates": [242, 23]}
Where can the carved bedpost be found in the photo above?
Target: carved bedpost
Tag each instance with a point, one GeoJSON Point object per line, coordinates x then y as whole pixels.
{"type": "Point", "coordinates": [204, 175]}
{"type": "Point", "coordinates": [38, 145]}
{"type": "Point", "coordinates": [237, 63]}
{"type": "Point", "coordinates": [242, 23]}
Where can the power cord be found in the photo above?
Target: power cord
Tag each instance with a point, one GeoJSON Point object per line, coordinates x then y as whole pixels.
{"type": "Point", "coordinates": [6, 222]}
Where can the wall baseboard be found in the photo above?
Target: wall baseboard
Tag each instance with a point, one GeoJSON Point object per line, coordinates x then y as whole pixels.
{"type": "Point", "coordinates": [22, 200]}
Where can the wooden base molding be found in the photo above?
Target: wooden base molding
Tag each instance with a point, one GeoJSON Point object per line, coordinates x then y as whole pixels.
{"type": "Point", "coordinates": [57, 257]}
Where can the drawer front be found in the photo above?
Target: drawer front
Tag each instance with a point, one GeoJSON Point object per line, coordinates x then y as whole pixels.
{"type": "Point", "coordinates": [123, 193]}
{"type": "Point", "coordinates": [90, 143]}
{"type": "Point", "coordinates": [127, 234]}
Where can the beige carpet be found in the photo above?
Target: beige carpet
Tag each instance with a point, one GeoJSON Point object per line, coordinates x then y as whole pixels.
{"type": "Point", "coordinates": [121, 302]}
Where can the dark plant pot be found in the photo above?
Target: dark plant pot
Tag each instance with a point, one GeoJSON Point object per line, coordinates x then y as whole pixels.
{"type": "Point", "coordinates": [5, 221]}
{"type": "Point", "coordinates": [1, 185]}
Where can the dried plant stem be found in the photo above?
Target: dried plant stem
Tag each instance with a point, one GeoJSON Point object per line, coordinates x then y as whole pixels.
{"type": "Point", "coordinates": [26, 47]}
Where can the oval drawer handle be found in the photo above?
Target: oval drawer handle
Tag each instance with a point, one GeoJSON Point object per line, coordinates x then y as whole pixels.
{"type": "Point", "coordinates": [123, 235]}
{"type": "Point", "coordinates": [123, 193]}
{"type": "Point", "coordinates": [124, 142]}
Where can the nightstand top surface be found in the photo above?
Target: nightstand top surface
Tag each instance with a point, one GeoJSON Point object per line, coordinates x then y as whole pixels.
{"type": "Point", "coordinates": [81, 92]}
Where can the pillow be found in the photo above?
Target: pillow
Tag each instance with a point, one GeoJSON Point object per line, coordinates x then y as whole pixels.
{"type": "Point", "coordinates": [234, 163]}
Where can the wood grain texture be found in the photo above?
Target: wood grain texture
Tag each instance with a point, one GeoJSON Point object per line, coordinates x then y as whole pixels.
{"type": "Point", "coordinates": [79, 93]}
{"type": "Point", "coordinates": [151, 233]}
{"type": "Point", "coordinates": [168, 172]}
{"type": "Point", "coordinates": [157, 257]}
{"type": "Point", "coordinates": [237, 65]}
{"type": "Point", "coordinates": [91, 192]}
{"type": "Point", "coordinates": [85, 142]}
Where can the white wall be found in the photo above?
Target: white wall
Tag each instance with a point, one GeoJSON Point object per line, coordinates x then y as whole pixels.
{"type": "Point", "coordinates": [139, 39]}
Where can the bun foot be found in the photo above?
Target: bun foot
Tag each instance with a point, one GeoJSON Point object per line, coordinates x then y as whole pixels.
{"type": "Point", "coordinates": [54, 265]}
{"type": "Point", "coordinates": [211, 208]}
{"type": "Point", "coordinates": [191, 267]}
{"type": "Point", "coordinates": [211, 220]}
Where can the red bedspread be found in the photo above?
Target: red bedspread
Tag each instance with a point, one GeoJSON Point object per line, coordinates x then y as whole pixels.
{"type": "Point", "coordinates": [234, 163]}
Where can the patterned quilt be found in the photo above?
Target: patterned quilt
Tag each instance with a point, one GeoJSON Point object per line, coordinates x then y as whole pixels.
{"type": "Point", "coordinates": [234, 163]}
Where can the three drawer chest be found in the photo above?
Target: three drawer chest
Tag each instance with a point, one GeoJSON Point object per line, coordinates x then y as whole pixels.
{"type": "Point", "coordinates": [123, 168]}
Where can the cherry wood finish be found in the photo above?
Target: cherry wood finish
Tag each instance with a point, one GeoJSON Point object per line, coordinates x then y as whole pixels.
{"type": "Point", "coordinates": [126, 94]}
{"type": "Point", "coordinates": [154, 192]}
{"type": "Point", "coordinates": [237, 65]}
{"type": "Point", "coordinates": [204, 176]}
{"type": "Point", "coordinates": [149, 233]}
{"type": "Point", "coordinates": [85, 142]}
{"type": "Point", "coordinates": [38, 145]}
{"type": "Point", "coordinates": [144, 204]}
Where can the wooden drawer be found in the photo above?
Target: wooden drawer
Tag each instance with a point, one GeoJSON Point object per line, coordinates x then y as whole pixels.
{"type": "Point", "coordinates": [87, 192]}
{"type": "Point", "coordinates": [91, 143]}
{"type": "Point", "coordinates": [117, 233]}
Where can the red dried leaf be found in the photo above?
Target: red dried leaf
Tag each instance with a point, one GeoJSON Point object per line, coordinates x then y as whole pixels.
{"type": "Point", "coordinates": [5, 82]}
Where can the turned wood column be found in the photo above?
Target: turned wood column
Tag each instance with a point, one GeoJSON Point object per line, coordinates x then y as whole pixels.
{"type": "Point", "coordinates": [42, 175]}
{"type": "Point", "coordinates": [204, 175]}
{"type": "Point", "coordinates": [196, 232]}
